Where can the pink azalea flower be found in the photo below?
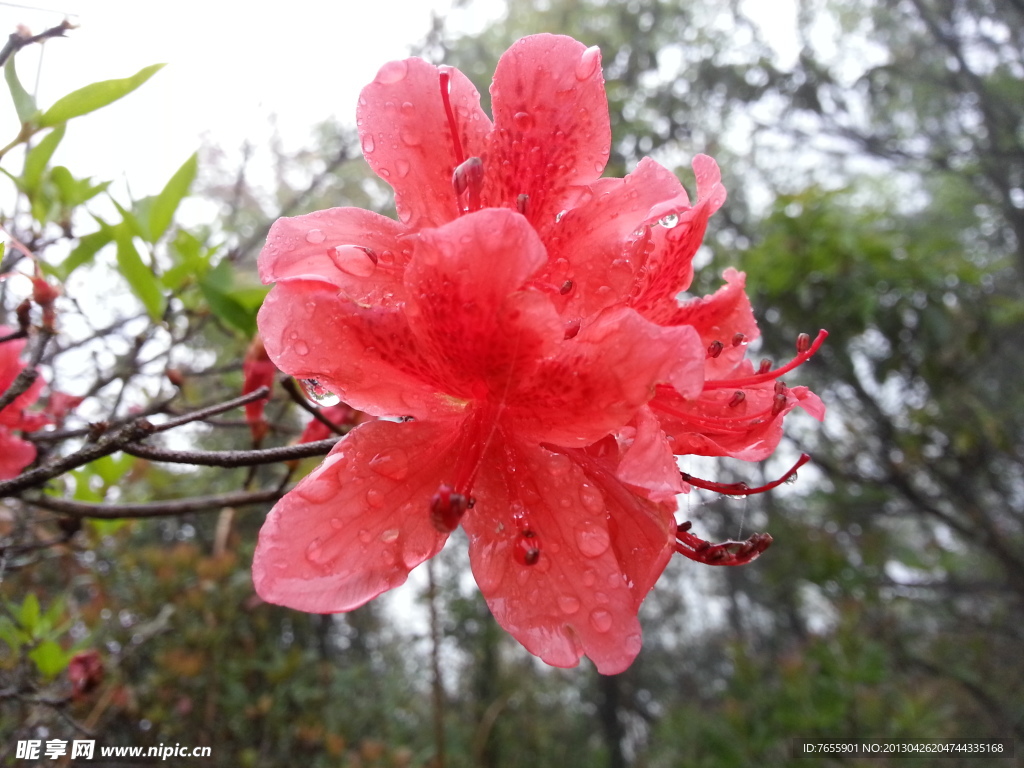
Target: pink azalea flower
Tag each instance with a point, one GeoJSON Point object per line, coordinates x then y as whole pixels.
{"type": "Point", "coordinates": [257, 371]}
{"type": "Point", "coordinates": [15, 453]}
{"type": "Point", "coordinates": [522, 312]}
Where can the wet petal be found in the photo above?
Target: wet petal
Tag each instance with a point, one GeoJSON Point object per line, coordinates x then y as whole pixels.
{"type": "Point", "coordinates": [360, 252]}
{"type": "Point", "coordinates": [648, 462]}
{"type": "Point", "coordinates": [669, 268]}
{"type": "Point", "coordinates": [551, 128]}
{"type": "Point", "coordinates": [597, 381]}
{"type": "Point", "coordinates": [603, 241]}
{"type": "Point", "coordinates": [15, 454]}
{"type": "Point", "coordinates": [358, 524]}
{"type": "Point", "coordinates": [407, 140]}
{"type": "Point", "coordinates": [467, 306]}
{"type": "Point", "coordinates": [367, 356]}
{"type": "Point", "coordinates": [719, 317]}
{"type": "Point", "coordinates": [577, 598]}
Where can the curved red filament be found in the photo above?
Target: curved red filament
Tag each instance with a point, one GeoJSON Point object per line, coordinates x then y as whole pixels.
{"type": "Point", "coordinates": [742, 489]}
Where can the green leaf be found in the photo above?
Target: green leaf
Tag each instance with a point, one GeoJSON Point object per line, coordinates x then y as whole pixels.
{"type": "Point", "coordinates": [73, 192]}
{"type": "Point", "coordinates": [39, 156]}
{"type": "Point", "coordinates": [28, 615]}
{"type": "Point", "coordinates": [49, 658]}
{"type": "Point", "coordinates": [11, 634]}
{"type": "Point", "coordinates": [166, 203]}
{"type": "Point", "coordinates": [83, 253]}
{"type": "Point", "coordinates": [94, 96]}
{"type": "Point", "coordinates": [236, 306]}
{"type": "Point", "coordinates": [24, 104]}
{"type": "Point", "coordinates": [111, 469]}
{"type": "Point", "coordinates": [141, 279]}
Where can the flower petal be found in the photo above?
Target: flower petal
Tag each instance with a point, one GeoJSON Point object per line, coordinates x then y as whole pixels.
{"type": "Point", "coordinates": [356, 525]}
{"type": "Point", "coordinates": [648, 462]}
{"type": "Point", "coordinates": [407, 140]}
{"type": "Point", "coordinates": [601, 242]}
{"type": "Point", "coordinates": [576, 599]}
{"type": "Point", "coordinates": [15, 454]}
{"type": "Point", "coordinates": [597, 381]}
{"type": "Point", "coordinates": [360, 252]}
{"type": "Point", "coordinates": [719, 317]}
{"type": "Point", "coordinates": [670, 266]}
{"type": "Point", "coordinates": [466, 302]}
{"type": "Point", "coordinates": [551, 128]}
{"type": "Point", "coordinates": [365, 355]}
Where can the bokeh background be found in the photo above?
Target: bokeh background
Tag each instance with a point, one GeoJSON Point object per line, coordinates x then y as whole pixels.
{"type": "Point", "coordinates": [873, 151]}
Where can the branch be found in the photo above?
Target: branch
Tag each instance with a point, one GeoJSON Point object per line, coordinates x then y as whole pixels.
{"type": "Point", "coordinates": [17, 40]}
{"type": "Point", "coordinates": [232, 458]}
{"type": "Point", "coordinates": [110, 443]}
{"type": "Point", "coordinates": [167, 508]}
{"type": "Point", "coordinates": [289, 386]}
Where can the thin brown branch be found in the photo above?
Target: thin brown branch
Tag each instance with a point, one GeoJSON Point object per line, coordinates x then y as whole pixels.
{"type": "Point", "coordinates": [169, 508]}
{"type": "Point", "coordinates": [213, 410]}
{"type": "Point", "coordinates": [232, 458]}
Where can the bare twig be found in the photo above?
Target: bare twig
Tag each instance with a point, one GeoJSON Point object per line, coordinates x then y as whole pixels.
{"type": "Point", "coordinates": [167, 508]}
{"type": "Point", "coordinates": [232, 458]}
{"type": "Point", "coordinates": [289, 386]}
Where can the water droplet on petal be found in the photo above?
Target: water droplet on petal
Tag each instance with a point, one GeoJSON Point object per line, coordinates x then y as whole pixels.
{"type": "Point", "coordinates": [558, 464]}
{"type": "Point", "coordinates": [355, 260]}
{"type": "Point", "coordinates": [389, 535]}
{"type": "Point", "coordinates": [315, 552]}
{"type": "Point", "coordinates": [368, 145]}
{"type": "Point", "coordinates": [669, 221]}
{"type": "Point", "coordinates": [559, 215]}
{"type": "Point", "coordinates": [592, 499]}
{"type": "Point", "coordinates": [527, 548]}
{"type": "Point", "coordinates": [301, 348]}
{"type": "Point", "coordinates": [318, 393]}
{"type": "Point", "coordinates": [337, 523]}
{"type": "Point", "coordinates": [410, 136]}
{"type": "Point", "coordinates": [523, 121]}
{"type": "Point", "coordinates": [387, 257]}
{"type": "Point", "coordinates": [375, 498]}
{"type": "Point", "coordinates": [392, 72]}
{"type": "Point", "coordinates": [315, 236]}
{"type": "Point", "coordinates": [568, 604]}
{"type": "Point", "coordinates": [589, 577]}
{"type": "Point", "coordinates": [394, 465]}
{"type": "Point", "coordinates": [601, 620]}
{"type": "Point", "coordinates": [592, 539]}
{"type": "Point", "coordinates": [402, 167]}
{"type": "Point", "coordinates": [588, 63]}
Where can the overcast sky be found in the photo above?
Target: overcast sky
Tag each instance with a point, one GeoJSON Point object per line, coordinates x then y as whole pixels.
{"type": "Point", "coordinates": [230, 66]}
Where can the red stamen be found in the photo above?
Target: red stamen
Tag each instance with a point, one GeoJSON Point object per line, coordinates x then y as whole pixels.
{"type": "Point", "coordinates": [742, 489]}
{"type": "Point", "coordinates": [726, 553]}
{"type": "Point", "coordinates": [762, 376]}
{"type": "Point", "coordinates": [447, 509]}
{"type": "Point", "coordinates": [715, 348]}
{"type": "Point", "coordinates": [445, 77]}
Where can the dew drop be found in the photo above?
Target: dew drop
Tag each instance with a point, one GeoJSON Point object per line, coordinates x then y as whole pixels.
{"type": "Point", "coordinates": [669, 221]}
{"type": "Point", "coordinates": [601, 620]}
{"type": "Point", "coordinates": [558, 464]}
{"type": "Point", "coordinates": [589, 577]}
{"type": "Point", "coordinates": [318, 393]}
{"type": "Point", "coordinates": [337, 523]}
{"type": "Point", "coordinates": [315, 236]}
{"type": "Point", "coordinates": [591, 499]}
{"type": "Point", "coordinates": [368, 145]}
{"type": "Point", "coordinates": [392, 72]}
{"type": "Point", "coordinates": [602, 597]}
{"type": "Point", "coordinates": [317, 489]}
{"type": "Point", "coordinates": [387, 257]}
{"type": "Point", "coordinates": [588, 63]}
{"type": "Point", "coordinates": [523, 121]}
{"type": "Point", "coordinates": [365, 536]}
{"type": "Point", "coordinates": [559, 215]}
{"type": "Point", "coordinates": [592, 539]}
{"type": "Point", "coordinates": [389, 535]}
{"type": "Point", "coordinates": [402, 167]}
{"type": "Point", "coordinates": [375, 498]}
{"type": "Point", "coordinates": [315, 552]}
{"type": "Point", "coordinates": [355, 260]}
{"type": "Point", "coordinates": [410, 136]}
{"type": "Point", "coordinates": [394, 465]}
{"type": "Point", "coordinates": [568, 604]}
